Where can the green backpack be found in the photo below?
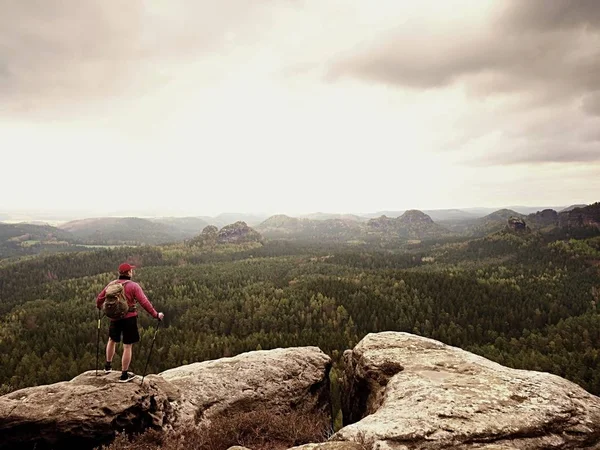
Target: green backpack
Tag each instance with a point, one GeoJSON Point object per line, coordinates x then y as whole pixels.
{"type": "Point", "coordinates": [115, 303]}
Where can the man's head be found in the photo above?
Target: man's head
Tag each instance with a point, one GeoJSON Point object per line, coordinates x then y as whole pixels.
{"type": "Point", "coordinates": [126, 269]}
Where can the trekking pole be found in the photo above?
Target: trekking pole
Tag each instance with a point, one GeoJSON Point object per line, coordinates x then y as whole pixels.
{"type": "Point", "coordinates": [150, 352]}
{"type": "Point", "coordinates": [98, 343]}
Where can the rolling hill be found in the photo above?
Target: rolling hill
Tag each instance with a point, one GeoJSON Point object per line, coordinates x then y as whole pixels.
{"type": "Point", "coordinates": [572, 207]}
{"type": "Point", "coordinates": [482, 226]}
{"type": "Point", "coordinates": [282, 226]}
{"type": "Point", "coordinates": [122, 230]}
{"type": "Point", "coordinates": [493, 222]}
{"type": "Point", "coordinates": [186, 226]}
{"type": "Point", "coordinates": [23, 239]}
{"type": "Point", "coordinates": [19, 232]}
{"type": "Point", "coordinates": [329, 216]}
{"type": "Point", "coordinates": [413, 224]}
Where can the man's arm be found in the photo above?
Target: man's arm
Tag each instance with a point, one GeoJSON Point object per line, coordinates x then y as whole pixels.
{"type": "Point", "coordinates": [143, 300]}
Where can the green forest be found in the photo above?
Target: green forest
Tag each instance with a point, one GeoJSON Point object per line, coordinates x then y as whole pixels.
{"type": "Point", "coordinates": [526, 300]}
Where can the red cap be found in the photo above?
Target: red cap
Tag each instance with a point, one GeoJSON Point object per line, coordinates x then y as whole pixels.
{"type": "Point", "coordinates": [125, 267]}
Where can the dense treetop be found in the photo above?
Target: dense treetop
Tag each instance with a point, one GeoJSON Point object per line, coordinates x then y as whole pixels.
{"type": "Point", "coordinates": [527, 300]}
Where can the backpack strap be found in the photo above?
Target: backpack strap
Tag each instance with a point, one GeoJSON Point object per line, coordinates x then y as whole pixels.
{"type": "Point", "coordinates": [132, 308]}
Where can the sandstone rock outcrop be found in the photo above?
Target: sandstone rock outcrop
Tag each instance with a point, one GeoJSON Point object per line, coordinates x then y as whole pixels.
{"type": "Point", "coordinates": [400, 392]}
{"type": "Point", "coordinates": [88, 410]}
{"type": "Point", "coordinates": [237, 233]}
{"type": "Point", "coordinates": [516, 224]}
{"type": "Point", "coordinates": [413, 224]}
{"type": "Point", "coordinates": [280, 379]}
{"type": "Point", "coordinates": [587, 216]}
{"type": "Point", "coordinates": [330, 446]}
{"type": "Point", "coordinates": [545, 218]}
{"type": "Point", "coordinates": [407, 392]}
{"type": "Point", "coordinates": [83, 412]}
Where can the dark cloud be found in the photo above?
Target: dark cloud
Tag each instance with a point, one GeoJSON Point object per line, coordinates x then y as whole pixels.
{"type": "Point", "coordinates": [549, 135]}
{"type": "Point", "coordinates": [543, 151]}
{"type": "Point", "coordinates": [552, 47]}
{"type": "Point", "coordinates": [541, 56]}
{"type": "Point", "coordinates": [56, 53]}
{"type": "Point", "coordinates": [591, 104]}
{"type": "Point", "coordinates": [490, 64]}
{"type": "Point", "coordinates": [593, 135]}
{"type": "Point", "coordinates": [551, 15]}
{"type": "Point", "coordinates": [59, 49]}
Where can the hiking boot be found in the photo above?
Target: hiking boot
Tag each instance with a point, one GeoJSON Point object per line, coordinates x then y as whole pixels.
{"type": "Point", "coordinates": [107, 367]}
{"type": "Point", "coordinates": [126, 376]}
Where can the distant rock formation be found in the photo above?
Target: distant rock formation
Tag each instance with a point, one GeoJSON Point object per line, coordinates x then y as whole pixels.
{"type": "Point", "coordinates": [283, 224]}
{"type": "Point", "coordinates": [206, 239]}
{"type": "Point", "coordinates": [500, 215]}
{"type": "Point", "coordinates": [413, 224]}
{"type": "Point", "coordinates": [238, 233]}
{"type": "Point", "coordinates": [588, 216]}
{"type": "Point", "coordinates": [403, 391]}
{"type": "Point", "coordinates": [542, 219]}
{"type": "Point", "coordinates": [414, 216]}
{"type": "Point", "coordinates": [383, 223]}
{"type": "Point", "coordinates": [492, 223]}
{"type": "Point", "coordinates": [517, 225]}
{"type": "Point", "coordinates": [210, 232]}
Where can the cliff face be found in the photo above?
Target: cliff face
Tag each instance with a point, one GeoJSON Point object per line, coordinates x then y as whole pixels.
{"type": "Point", "coordinates": [277, 379]}
{"type": "Point", "coordinates": [588, 216]}
{"type": "Point", "coordinates": [402, 391]}
{"type": "Point", "coordinates": [83, 412]}
{"type": "Point", "coordinates": [517, 225]}
{"type": "Point", "coordinates": [545, 218]}
{"type": "Point", "coordinates": [87, 411]}
{"type": "Point", "coordinates": [399, 392]}
{"type": "Point", "coordinates": [237, 233]}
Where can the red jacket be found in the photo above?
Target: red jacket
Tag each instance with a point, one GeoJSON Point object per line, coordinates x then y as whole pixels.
{"type": "Point", "coordinates": [133, 294]}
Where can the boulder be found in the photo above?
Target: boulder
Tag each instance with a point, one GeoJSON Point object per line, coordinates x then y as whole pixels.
{"type": "Point", "coordinates": [84, 412]}
{"type": "Point", "coordinates": [402, 391]}
{"type": "Point", "coordinates": [330, 446]}
{"type": "Point", "coordinates": [89, 410]}
{"type": "Point", "coordinates": [280, 379]}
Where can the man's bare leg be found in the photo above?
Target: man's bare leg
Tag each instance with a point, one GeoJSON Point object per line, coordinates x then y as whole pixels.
{"type": "Point", "coordinates": [111, 346]}
{"type": "Point", "coordinates": [126, 358]}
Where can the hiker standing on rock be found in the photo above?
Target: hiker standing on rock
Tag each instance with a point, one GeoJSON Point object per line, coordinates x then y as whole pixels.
{"type": "Point", "coordinates": [123, 317]}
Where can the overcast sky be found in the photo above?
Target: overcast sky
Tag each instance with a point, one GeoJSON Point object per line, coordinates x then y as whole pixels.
{"type": "Point", "coordinates": [294, 106]}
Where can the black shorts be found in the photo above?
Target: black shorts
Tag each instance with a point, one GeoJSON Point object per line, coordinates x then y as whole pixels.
{"type": "Point", "coordinates": [127, 327]}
